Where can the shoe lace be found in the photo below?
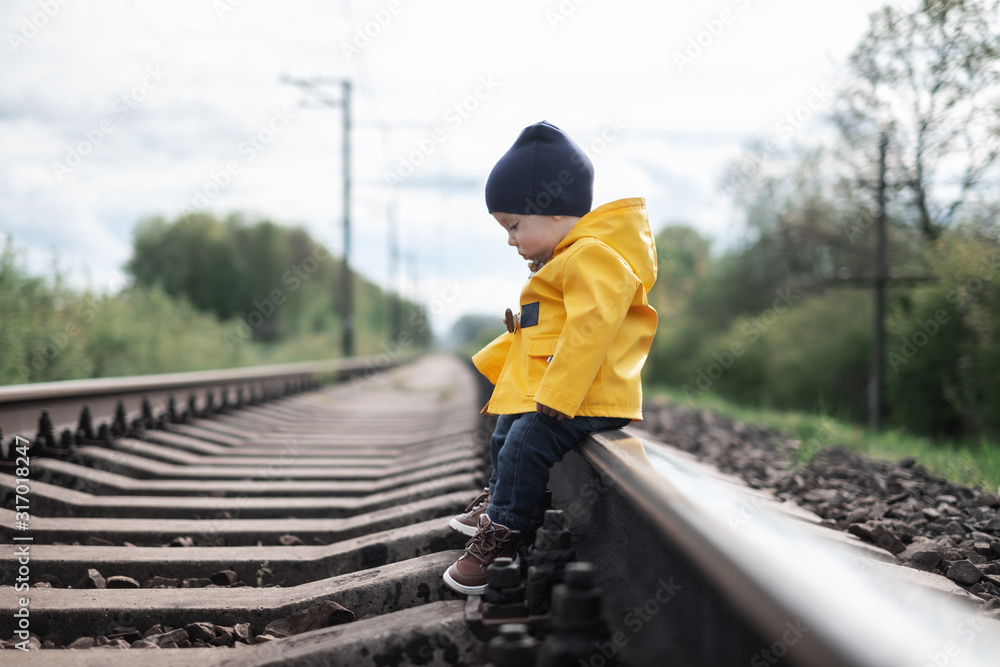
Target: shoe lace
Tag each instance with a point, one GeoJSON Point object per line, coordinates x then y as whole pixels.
{"type": "Point", "coordinates": [486, 543]}
{"type": "Point", "coordinates": [480, 499]}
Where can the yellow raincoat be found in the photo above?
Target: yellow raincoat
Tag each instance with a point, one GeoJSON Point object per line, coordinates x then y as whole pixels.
{"type": "Point", "coordinates": [585, 325]}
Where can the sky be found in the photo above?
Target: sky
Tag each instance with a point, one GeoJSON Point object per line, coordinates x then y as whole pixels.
{"type": "Point", "coordinates": [113, 111]}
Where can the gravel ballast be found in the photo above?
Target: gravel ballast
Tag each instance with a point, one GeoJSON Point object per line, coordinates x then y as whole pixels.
{"type": "Point", "coordinates": [924, 520]}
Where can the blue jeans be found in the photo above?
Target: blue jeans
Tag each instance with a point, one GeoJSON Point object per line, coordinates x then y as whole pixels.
{"type": "Point", "coordinates": [522, 449]}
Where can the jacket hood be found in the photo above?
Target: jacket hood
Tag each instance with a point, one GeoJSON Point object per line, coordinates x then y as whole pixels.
{"type": "Point", "coordinates": [623, 226]}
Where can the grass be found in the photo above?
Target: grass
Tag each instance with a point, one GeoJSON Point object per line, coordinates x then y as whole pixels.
{"type": "Point", "coordinates": [975, 464]}
{"type": "Point", "coordinates": [50, 332]}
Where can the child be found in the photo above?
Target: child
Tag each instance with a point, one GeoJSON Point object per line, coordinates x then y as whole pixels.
{"type": "Point", "coordinates": [570, 363]}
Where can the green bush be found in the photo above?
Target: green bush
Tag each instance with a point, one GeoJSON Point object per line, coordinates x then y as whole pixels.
{"type": "Point", "coordinates": [274, 283]}
{"type": "Point", "coordinates": [674, 354]}
{"type": "Point", "coordinates": [41, 324]}
{"type": "Point", "coordinates": [813, 355]}
{"type": "Point", "coordinates": [49, 332]}
{"type": "Point", "coordinates": [738, 356]}
{"type": "Point", "coordinates": [943, 351]}
{"type": "Point", "coordinates": [818, 354]}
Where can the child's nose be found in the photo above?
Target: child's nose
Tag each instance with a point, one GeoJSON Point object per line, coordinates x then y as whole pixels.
{"type": "Point", "coordinates": [510, 239]}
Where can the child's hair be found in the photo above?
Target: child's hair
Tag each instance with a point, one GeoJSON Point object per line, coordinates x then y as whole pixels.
{"type": "Point", "coordinates": [543, 173]}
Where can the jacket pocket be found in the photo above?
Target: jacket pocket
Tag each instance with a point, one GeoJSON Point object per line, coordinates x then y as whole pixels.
{"type": "Point", "coordinates": [540, 351]}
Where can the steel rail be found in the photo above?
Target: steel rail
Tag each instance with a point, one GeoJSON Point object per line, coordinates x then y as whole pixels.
{"type": "Point", "coordinates": [857, 611]}
{"type": "Point", "coordinates": [277, 562]}
{"type": "Point", "coordinates": [704, 565]}
{"type": "Point", "coordinates": [201, 392]}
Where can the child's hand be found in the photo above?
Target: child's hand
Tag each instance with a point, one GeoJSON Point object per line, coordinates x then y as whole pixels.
{"type": "Point", "coordinates": [551, 412]}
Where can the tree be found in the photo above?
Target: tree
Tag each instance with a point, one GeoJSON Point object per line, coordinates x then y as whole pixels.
{"type": "Point", "coordinates": [236, 269]}
{"type": "Point", "coordinates": [682, 257]}
{"type": "Point", "coordinates": [194, 258]}
{"type": "Point", "coordinates": [930, 79]}
{"type": "Point", "coordinates": [804, 232]}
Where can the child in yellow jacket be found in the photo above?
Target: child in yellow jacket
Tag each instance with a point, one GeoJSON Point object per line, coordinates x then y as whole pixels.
{"type": "Point", "coordinates": [570, 361]}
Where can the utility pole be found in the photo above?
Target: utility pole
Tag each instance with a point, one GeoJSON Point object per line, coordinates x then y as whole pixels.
{"type": "Point", "coordinates": [393, 294]}
{"type": "Point", "coordinates": [346, 280]}
{"type": "Point", "coordinates": [879, 280]}
{"type": "Point", "coordinates": [875, 400]}
{"type": "Point", "coordinates": [314, 86]}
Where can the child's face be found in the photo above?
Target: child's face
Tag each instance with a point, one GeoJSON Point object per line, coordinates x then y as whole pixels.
{"type": "Point", "coordinates": [535, 236]}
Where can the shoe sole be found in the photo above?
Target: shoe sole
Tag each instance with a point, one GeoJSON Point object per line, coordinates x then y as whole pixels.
{"type": "Point", "coordinates": [469, 590]}
{"type": "Point", "coordinates": [462, 528]}
{"type": "Point", "coordinates": [459, 588]}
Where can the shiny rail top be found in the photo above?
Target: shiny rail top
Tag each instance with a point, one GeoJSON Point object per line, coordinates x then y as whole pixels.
{"type": "Point", "coordinates": [785, 575]}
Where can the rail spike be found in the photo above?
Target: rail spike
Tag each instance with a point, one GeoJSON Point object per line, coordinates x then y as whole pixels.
{"type": "Point", "coordinates": [577, 620]}
{"type": "Point", "coordinates": [85, 428]}
{"type": "Point", "coordinates": [120, 424]}
{"type": "Point", "coordinates": [46, 433]}
{"type": "Point", "coordinates": [148, 421]}
{"type": "Point", "coordinates": [513, 647]}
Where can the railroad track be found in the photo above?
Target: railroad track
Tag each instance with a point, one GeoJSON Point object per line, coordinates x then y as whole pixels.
{"type": "Point", "coordinates": [307, 509]}
{"type": "Point", "coordinates": [311, 529]}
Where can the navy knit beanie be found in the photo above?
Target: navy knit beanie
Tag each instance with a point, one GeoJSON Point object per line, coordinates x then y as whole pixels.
{"type": "Point", "coordinates": [543, 173]}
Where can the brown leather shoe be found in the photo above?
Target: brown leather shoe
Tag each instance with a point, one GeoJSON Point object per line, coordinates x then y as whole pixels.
{"type": "Point", "coordinates": [468, 574]}
{"type": "Point", "coordinates": [467, 523]}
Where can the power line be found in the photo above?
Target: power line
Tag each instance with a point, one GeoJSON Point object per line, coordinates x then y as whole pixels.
{"type": "Point", "coordinates": [316, 87]}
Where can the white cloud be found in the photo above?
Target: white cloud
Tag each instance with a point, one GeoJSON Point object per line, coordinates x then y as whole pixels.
{"type": "Point", "coordinates": [604, 61]}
